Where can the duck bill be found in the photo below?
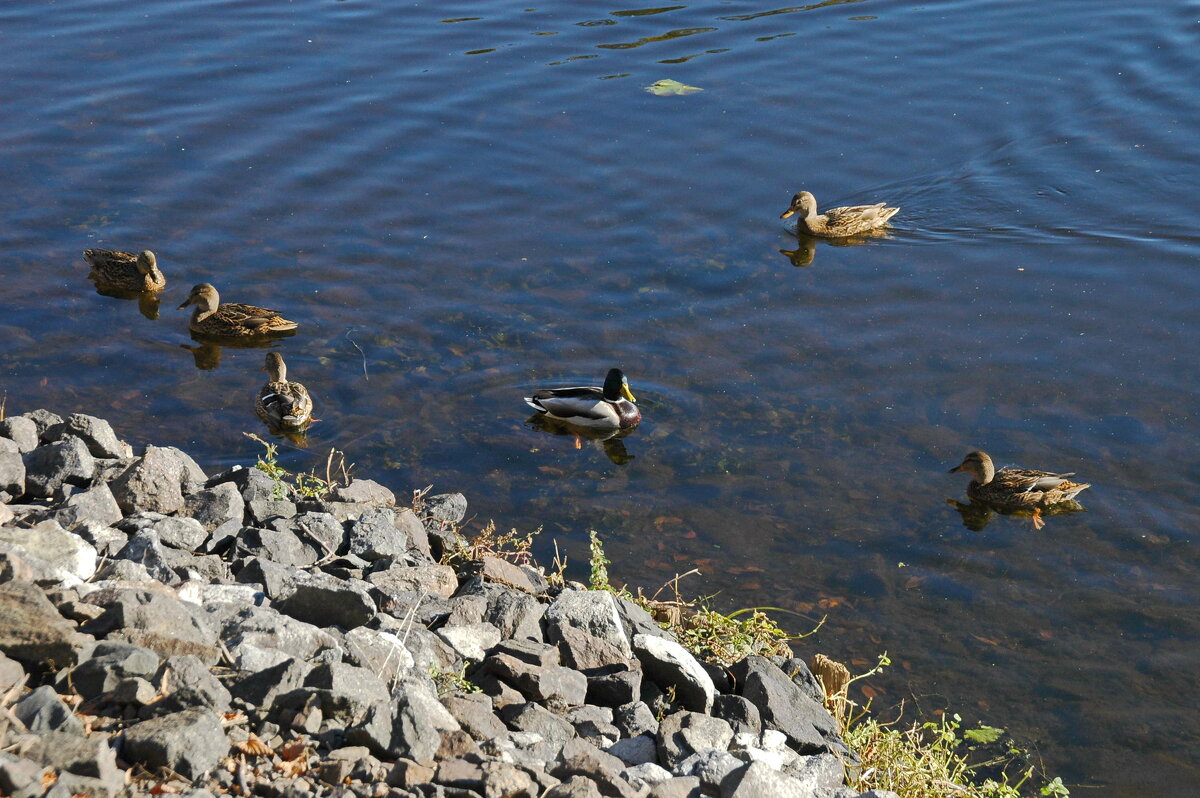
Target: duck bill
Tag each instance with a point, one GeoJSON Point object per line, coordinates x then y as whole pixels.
{"type": "Point", "coordinates": [956, 469]}
{"type": "Point", "coordinates": [787, 213]}
{"type": "Point", "coordinates": [184, 305]}
{"type": "Point", "coordinates": [628, 394]}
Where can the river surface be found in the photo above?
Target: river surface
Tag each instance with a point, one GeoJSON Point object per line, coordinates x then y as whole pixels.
{"type": "Point", "coordinates": [463, 201]}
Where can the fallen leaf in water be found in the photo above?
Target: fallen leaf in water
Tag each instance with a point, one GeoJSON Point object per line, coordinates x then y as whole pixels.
{"type": "Point", "coordinates": [668, 87]}
{"type": "Point", "coordinates": [869, 692]}
{"type": "Point", "coordinates": [913, 581]}
{"type": "Point", "coordinates": [986, 640]}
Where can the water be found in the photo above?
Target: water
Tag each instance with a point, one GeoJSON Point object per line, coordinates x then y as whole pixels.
{"type": "Point", "coordinates": [463, 201]}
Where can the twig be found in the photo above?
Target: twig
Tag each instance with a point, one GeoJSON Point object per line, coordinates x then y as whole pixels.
{"type": "Point", "coordinates": [360, 351]}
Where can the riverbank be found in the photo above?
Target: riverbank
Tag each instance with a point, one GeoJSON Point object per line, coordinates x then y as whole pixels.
{"type": "Point", "coordinates": [164, 630]}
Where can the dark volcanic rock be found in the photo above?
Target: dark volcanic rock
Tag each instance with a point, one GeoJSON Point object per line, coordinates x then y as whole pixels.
{"type": "Point", "coordinates": [280, 547]}
{"type": "Point", "coordinates": [178, 533]}
{"type": "Point", "coordinates": [215, 506]}
{"type": "Point", "coordinates": [52, 465]}
{"type": "Point", "coordinates": [323, 600]}
{"type": "Point", "coordinates": [145, 549]}
{"type": "Point", "coordinates": [110, 663]}
{"type": "Point", "coordinates": [94, 507]}
{"type": "Point", "coordinates": [190, 742]}
{"type": "Point", "coordinates": [437, 580]}
{"type": "Point", "coordinates": [43, 711]}
{"type": "Point", "coordinates": [551, 684]}
{"type": "Point", "coordinates": [190, 684]}
{"type": "Point", "coordinates": [89, 757]}
{"type": "Point", "coordinates": [410, 727]}
{"type": "Point", "coordinates": [686, 733]}
{"type": "Point", "coordinates": [253, 484]}
{"type": "Point", "coordinates": [32, 631]}
{"type": "Point", "coordinates": [739, 713]}
{"type": "Point", "coordinates": [614, 686]}
{"type": "Point", "coordinates": [22, 431]}
{"type": "Point", "coordinates": [96, 433]}
{"type": "Point", "coordinates": [155, 620]}
{"type": "Point", "coordinates": [347, 692]}
{"type": "Point", "coordinates": [12, 475]}
{"type": "Point", "coordinates": [474, 714]}
{"type": "Point", "coordinates": [364, 491]}
{"type": "Point", "coordinates": [785, 706]}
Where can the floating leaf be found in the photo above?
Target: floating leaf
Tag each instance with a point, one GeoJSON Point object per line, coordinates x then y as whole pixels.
{"type": "Point", "coordinates": [983, 735]}
{"type": "Point", "coordinates": [665, 88]}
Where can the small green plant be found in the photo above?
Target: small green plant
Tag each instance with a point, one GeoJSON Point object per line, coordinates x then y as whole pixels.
{"type": "Point", "coordinates": [487, 542]}
{"type": "Point", "coordinates": [307, 485]}
{"type": "Point", "coordinates": [452, 682]}
{"type": "Point", "coordinates": [598, 563]}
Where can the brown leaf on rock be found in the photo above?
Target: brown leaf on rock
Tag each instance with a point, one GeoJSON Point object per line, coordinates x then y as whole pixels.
{"type": "Point", "coordinates": [254, 747]}
{"type": "Point", "coordinates": [293, 768]}
{"type": "Point", "coordinates": [293, 750]}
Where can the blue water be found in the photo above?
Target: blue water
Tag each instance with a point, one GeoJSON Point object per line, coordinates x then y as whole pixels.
{"type": "Point", "coordinates": [460, 202]}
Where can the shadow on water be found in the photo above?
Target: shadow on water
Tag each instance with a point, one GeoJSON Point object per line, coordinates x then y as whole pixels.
{"type": "Point", "coordinates": [611, 441]}
{"type": "Point", "coordinates": [977, 515]}
{"type": "Point", "coordinates": [806, 246]}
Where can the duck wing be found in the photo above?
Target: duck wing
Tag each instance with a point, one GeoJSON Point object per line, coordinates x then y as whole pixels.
{"type": "Point", "coordinates": [582, 402]}
{"type": "Point", "coordinates": [1026, 480]}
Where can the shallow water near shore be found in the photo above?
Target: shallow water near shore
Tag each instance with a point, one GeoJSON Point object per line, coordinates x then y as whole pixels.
{"type": "Point", "coordinates": [461, 204]}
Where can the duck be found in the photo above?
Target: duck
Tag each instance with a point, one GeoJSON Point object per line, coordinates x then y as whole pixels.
{"type": "Point", "coordinates": [836, 222]}
{"type": "Point", "coordinates": [1016, 488]}
{"type": "Point", "coordinates": [282, 404]}
{"type": "Point", "coordinates": [125, 270]}
{"type": "Point", "coordinates": [231, 319]}
{"type": "Point", "coordinates": [609, 407]}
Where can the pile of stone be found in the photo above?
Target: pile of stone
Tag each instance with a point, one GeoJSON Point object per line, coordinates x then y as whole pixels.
{"type": "Point", "coordinates": [163, 631]}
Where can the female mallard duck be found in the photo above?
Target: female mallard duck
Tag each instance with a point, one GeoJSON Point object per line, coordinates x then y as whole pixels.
{"type": "Point", "coordinates": [231, 319]}
{"type": "Point", "coordinates": [836, 222]}
{"type": "Point", "coordinates": [610, 407]}
{"type": "Point", "coordinates": [125, 270]}
{"type": "Point", "coordinates": [1016, 488]}
{"type": "Point", "coordinates": [282, 404]}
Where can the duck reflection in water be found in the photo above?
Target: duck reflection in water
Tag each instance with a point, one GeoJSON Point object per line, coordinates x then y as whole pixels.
{"type": "Point", "coordinates": [207, 352]}
{"type": "Point", "coordinates": [609, 439]}
{"type": "Point", "coordinates": [976, 514]}
{"type": "Point", "coordinates": [806, 245]}
{"type": "Point", "coordinates": [147, 301]}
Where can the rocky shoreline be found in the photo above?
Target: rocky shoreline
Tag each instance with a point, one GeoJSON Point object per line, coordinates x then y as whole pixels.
{"type": "Point", "coordinates": [164, 631]}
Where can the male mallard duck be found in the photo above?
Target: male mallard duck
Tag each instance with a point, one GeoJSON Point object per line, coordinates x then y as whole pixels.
{"type": "Point", "coordinates": [1016, 488]}
{"type": "Point", "coordinates": [231, 319]}
{"type": "Point", "coordinates": [610, 407]}
{"type": "Point", "coordinates": [125, 270]}
{"type": "Point", "coordinates": [280, 403]}
{"type": "Point", "coordinates": [836, 222]}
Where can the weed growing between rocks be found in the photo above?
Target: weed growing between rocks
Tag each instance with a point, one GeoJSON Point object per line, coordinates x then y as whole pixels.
{"type": "Point", "coordinates": [309, 485]}
{"type": "Point", "coordinates": [488, 542]}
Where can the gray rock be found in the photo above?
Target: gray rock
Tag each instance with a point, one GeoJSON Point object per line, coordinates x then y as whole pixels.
{"type": "Point", "coordinates": [581, 758]}
{"type": "Point", "coordinates": [739, 713]}
{"type": "Point", "coordinates": [21, 777]}
{"type": "Point", "coordinates": [411, 726]}
{"type": "Point", "coordinates": [90, 757]}
{"type": "Point", "coordinates": [474, 714]}
{"type": "Point", "coordinates": [279, 546]}
{"type": "Point", "coordinates": [222, 539]}
{"type": "Point", "coordinates": [9, 446]}
{"type": "Point", "coordinates": [145, 549]}
{"type": "Point", "coordinates": [156, 481]}
{"type": "Point", "coordinates": [669, 664]}
{"type": "Point", "coordinates": [636, 750]}
{"type": "Point", "coordinates": [530, 651]}
{"type": "Point", "coordinates": [123, 571]}
{"type": "Point", "coordinates": [253, 484]}
{"type": "Point", "coordinates": [681, 787]}
{"type": "Point", "coordinates": [156, 620]}
{"type": "Point", "coordinates": [215, 506]}
{"type": "Point", "coordinates": [43, 711]}
{"type": "Point", "coordinates": [96, 433]}
{"type": "Point", "coordinates": [347, 692]}
{"type": "Point", "coordinates": [324, 533]}
{"type": "Point", "coordinates": [70, 558]}
{"type": "Point", "coordinates": [11, 672]}
{"type": "Point", "coordinates": [106, 540]}
{"type": "Point", "coordinates": [31, 629]}
{"type": "Point", "coordinates": [375, 536]}
{"type": "Point", "coordinates": [259, 637]}
{"type": "Point", "coordinates": [43, 420]}
{"type": "Point", "coordinates": [634, 719]}
{"type": "Point", "coordinates": [12, 477]}
{"type": "Point", "coordinates": [757, 779]}
{"type": "Point", "coordinates": [414, 531]}
{"type": "Point", "coordinates": [547, 684]}
{"type": "Point", "coordinates": [383, 653]}
{"type": "Point", "coordinates": [646, 775]}
{"type": "Point", "coordinates": [110, 663]}
{"type": "Point", "coordinates": [52, 465]}
{"type": "Point", "coordinates": [186, 534]}
{"type": "Point", "coordinates": [785, 706]}
{"type": "Point", "coordinates": [260, 511]}
{"type": "Point", "coordinates": [95, 507]}
{"type": "Point", "coordinates": [505, 573]}
{"type": "Point", "coordinates": [471, 641]}
{"type": "Point", "coordinates": [364, 491]}
{"type": "Point", "coordinates": [190, 683]}
{"type": "Point", "coordinates": [446, 508]}
{"type": "Point", "coordinates": [614, 686]}
{"type": "Point", "coordinates": [190, 742]}
{"type": "Point", "coordinates": [261, 688]}
{"type": "Point", "coordinates": [530, 717]}
{"type": "Point", "coordinates": [322, 600]}
{"type": "Point", "coordinates": [711, 767]}
{"type": "Point", "coordinates": [515, 614]}
{"type": "Point", "coordinates": [684, 733]}
{"type": "Point", "coordinates": [21, 431]}
{"type": "Point", "coordinates": [574, 787]}
{"type": "Point", "coordinates": [437, 580]}
{"type": "Point", "coordinates": [818, 773]}
{"type": "Point", "coordinates": [585, 626]}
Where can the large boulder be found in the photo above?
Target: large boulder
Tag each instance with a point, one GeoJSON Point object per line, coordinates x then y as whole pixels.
{"type": "Point", "coordinates": [32, 631]}
{"type": "Point", "coordinates": [156, 481]}
{"type": "Point", "coordinates": [585, 626]}
{"type": "Point", "coordinates": [52, 465]}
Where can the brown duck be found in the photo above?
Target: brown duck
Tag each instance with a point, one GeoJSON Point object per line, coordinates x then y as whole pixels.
{"type": "Point", "coordinates": [231, 319]}
{"type": "Point", "coordinates": [282, 404]}
{"type": "Point", "coordinates": [836, 222]}
{"type": "Point", "coordinates": [1016, 488]}
{"type": "Point", "coordinates": [126, 271]}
